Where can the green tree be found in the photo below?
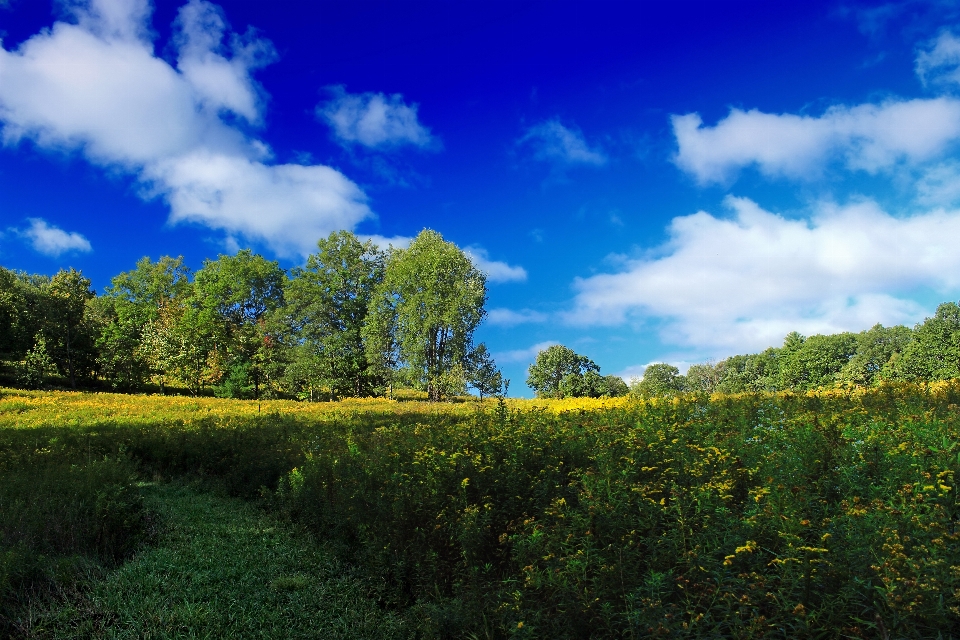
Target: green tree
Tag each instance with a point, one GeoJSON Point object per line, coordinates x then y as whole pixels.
{"type": "Point", "coordinates": [559, 371]}
{"type": "Point", "coordinates": [69, 337]}
{"type": "Point", "coordinates": [232, 297]}
{"type": "Point", "coordinates": [483, 374]}
{"type": "Point", "coordinates": [424, 314]}
{"type": "Point", "coordinates": [702, 378]}
{"type": "Point", "coordinates": [816, 361]}
{"type": "Point", "coordinates": [327, 304]}
{"type": "Point", "coordinates": [37, 365]}
{"type": "Point", "coordinates": [15, 317]}
{"type": "Point", "coordinates": [933, 353]}
{"type": "Point", "coordinates": [876, 349]}
{"type": "Point", "coordinates": [614, 386]}
{"type": "Point", "coordinates": [659, 379]}
{"type": "Point", "coordinates": [751, 372]}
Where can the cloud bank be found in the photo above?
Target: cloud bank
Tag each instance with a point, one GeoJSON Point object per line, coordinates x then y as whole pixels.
{"type": "Point", "coordinates": [374, 120]}
{"type": "Point", "coordinates": [745, 281]}
{"type": "Point", "coordinates": [184, 132]}
{"type": "Point", "coordinates": [867, 137]}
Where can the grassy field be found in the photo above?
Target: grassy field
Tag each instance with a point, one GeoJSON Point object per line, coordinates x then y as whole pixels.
{"type": "Point", "coordinates": [830, 514]}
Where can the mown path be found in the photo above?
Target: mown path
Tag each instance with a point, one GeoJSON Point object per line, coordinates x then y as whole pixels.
{"type": "Point", "coordinates": [223, 569]}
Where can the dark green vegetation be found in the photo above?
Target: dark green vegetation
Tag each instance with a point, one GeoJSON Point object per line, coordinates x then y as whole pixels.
{"type": "Point", "coordinates": [830, 514]}
{"type": "Point", "coordinates": [928, 352]}
{"type": "Point", "coordinates": [221, 569]}
{"type": "Point", "coordinates": [351, 323]}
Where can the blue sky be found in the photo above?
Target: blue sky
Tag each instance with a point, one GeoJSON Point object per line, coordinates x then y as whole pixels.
{"type": "Point", "coordinates": [642, 181]}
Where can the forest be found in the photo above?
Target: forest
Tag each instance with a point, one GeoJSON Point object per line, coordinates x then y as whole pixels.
{"type": "Point", "coordinates": [354, 321]}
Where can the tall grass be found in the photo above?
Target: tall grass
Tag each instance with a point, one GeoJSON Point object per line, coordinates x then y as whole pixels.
{"type": "Point", "coordinates": [827, 514]}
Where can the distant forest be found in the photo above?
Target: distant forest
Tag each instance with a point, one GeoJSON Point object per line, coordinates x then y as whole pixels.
{"type": "Point", "coordinates": [929, 351]}
{"type": "Point", "coordinates": [354, 321]}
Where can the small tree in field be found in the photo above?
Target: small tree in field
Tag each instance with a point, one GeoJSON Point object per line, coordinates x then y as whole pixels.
{"type": "Point", "coordinates": [559, 372]}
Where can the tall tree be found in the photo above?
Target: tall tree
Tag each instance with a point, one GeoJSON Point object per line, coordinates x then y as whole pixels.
{"type": "Point", "coordinates": [130, 308]}
{"type": "Point", "coordinates": [69, 336]}
{"type": "Point", "coordinates": [232, 296]}
{"type": "Point", "coordinates": [425, 312]}
{"type": "Point", "coordinates": [327, 304]}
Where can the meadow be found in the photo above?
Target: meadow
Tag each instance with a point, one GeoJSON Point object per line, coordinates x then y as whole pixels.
{"type": "Point", "coordinates": [824, 514]}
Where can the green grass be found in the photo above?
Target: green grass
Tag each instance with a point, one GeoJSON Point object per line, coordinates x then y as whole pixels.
{"type": "Point", "coordinates": [220, 568]}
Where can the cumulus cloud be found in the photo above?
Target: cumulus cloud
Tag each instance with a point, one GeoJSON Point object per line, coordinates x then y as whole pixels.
{"type": "Point", "coordinates": [868, 137]}
{"type": "Point", "coordinates": [496, 271]}
{"type": "Point", "coordinates": [523, 355]}
{"type": "Point", "coordinates": [374, 120]}
{"type": "Point", "coordinates": [744, 281]}
{"type": "Point", "coordinates": [51, 240]}
{"type": "Point", "coordinates": [97, 86]}
{"type": "Point", "coordinates": [510, 318]}
{"type": "Point", "coordinates": [939, 62]}
{"type": "Point", "coordinates": [552, 142]}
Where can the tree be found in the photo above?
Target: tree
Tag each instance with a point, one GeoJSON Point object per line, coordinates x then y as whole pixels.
{"type": "Point", "coordinates": [483, 374]}
{"type": "Point", "coordinates": [614, 386]}
{"type": "Point", "coordinates": [751, 372]}
{"type": "Point", "coordinates": [815, 361]}
{"type": "Point", "coordinates": [876, 348]}
{"type": "Point", "coordinates": [232, 297]}
{"type": "Point", "coordinates": [37, 365]}
{"type": "Point", "coordinates": [558, 372]}
{"type": "Point", "coordinates": [424, 313]}
{"type": "Point", "coordinates": [19, 322]}
{"type": "Point", "coordinates": [702, 378]}
{"type": "Point", "coordinates": [327, 304]}
{"type": "Point", "coordinates": [69, 338]}
{"type": "Point", "coordinates": [933, 353]}
{"type": "Point", "coordinates": [659, 379]}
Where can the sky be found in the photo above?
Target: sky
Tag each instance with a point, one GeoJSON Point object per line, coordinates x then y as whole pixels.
{"type": "Point", "coordinates": [641, 181]}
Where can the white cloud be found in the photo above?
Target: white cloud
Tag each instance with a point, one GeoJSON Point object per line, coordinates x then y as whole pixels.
{"type": "Point", "coordinates": [496, 271]}
{"type": "Point", "coordinates": [374, 120]}
{"type": "Point", "coordinates": [51, 240]}
{"type": "Point", "coordinates": [553, 142]}
{"type": "Point", "coordinates": [939, 63]}
{"type": "Point", "coordinates": [98, 87]}
{"type": "Point", "coordinates": [523, 355]}
{"type": "Point", "coordinates": [939, 185]}
{"type": "Point", "coordinates": [868, 137]}
{"type": "Point", "coordinates": [742, 283]}
{"type": "Point", "coordinates": [511, 318]}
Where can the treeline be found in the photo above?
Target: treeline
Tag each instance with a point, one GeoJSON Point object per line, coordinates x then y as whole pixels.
{"type": "Point", "coordinates": [354, 321]}
{"type": "Point", "coordinates": [928, 352]}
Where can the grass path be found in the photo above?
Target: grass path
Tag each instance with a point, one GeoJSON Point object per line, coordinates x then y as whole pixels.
{"type": "Point", "coordinates": [223, 569]}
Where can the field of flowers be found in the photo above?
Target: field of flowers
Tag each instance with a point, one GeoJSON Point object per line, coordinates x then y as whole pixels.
{"type": "Point", "coordinates": [828, 514]}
